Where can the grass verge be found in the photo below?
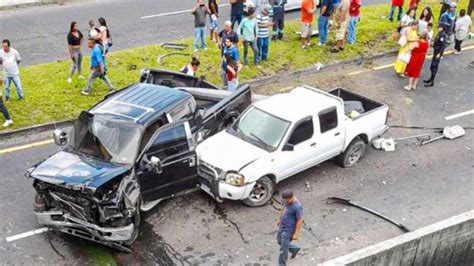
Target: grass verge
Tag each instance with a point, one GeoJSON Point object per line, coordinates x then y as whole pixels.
{"type": "Point", "coordinates": [50, 98]}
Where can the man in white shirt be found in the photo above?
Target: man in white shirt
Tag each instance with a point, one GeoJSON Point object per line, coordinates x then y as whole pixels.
{"type": "Point", "coordinates": [10, 58]}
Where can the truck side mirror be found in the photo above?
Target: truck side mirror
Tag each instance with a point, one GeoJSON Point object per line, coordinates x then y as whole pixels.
{"type": "Point", "coordinates": [289, 147]}
{"type": "Point", "coordinates": [156, 165]}
{"type": "Point", "coordinates": [60, 137]}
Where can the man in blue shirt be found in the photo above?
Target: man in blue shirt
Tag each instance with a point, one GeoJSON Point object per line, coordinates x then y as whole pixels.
{"type": "Point", "coordinates": [231, 50]}
{"type": "Point", "coordinates": [323, 20]}
{"type": "Point", "coordinates": [97, 67]}
{"type": "Point", "coordinates": [236, 11]}
{"type": "Point", "coordinates": [290, 222]}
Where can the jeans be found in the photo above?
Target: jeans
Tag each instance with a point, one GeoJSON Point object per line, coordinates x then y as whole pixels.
{"type": "Point", "coordinates": [323, 24]}
{"type": "Point", "coordinates": [94, 75]}
{"type": "Point", "coordinates": [77, 63]}
{"type": "Point", "coordinates": [351, 29]}
{"type": "Point", "coordinates": [254, 47]}
{"type": "Point", "coordinates": [284, 240]}
{"type": "Point", "coordinates": [235, 19]}
{"type": "Point", "coordinates": [392, 12]}
{"type": "Point", "coordinates": [200, 35]}
{"type": "Point", "coordinates": [224, 77]}
{"type": "Point", "coordinates": [232, 84]}
{"type": "Point", "coordinates": [15, 79]}
{"type": "Point", "coordinates": [262, 44]}
{"type": "Point", "coordinates": [3, 110]}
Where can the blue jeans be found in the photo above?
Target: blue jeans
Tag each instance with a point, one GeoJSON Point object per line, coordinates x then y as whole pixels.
{"type": "Point", "coordinates": [16, 80]}
{"type": "Point", "coordinates": [262, 44]}
{"type": "Point", "coordinates": [232, 84]}
{"type": "Point", "coordinates": [392, 12]}
{"type": "Point", "coordinates": [3, 109]}
{"type": "Point", "coordinates": [323, 24]}
{"type": "Point", "coordinates": [200, 35]}
{"type": "Point", "coordinates": [351, 29]}
{"type": "Point", "coordinates": [254, 47]}
{"type": "Point", "coordinates": [284, 240]}
{"type": "Point", "coordinates": [235, 19]}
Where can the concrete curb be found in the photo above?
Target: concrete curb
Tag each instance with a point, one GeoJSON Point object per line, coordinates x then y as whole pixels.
{"type": "Point", "coordinates": [26, 3]}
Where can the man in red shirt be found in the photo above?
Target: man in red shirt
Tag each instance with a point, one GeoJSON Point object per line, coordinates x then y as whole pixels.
{"type": "Point", "coordinates": [354, 13]}
{"type": "Point", "coordinates": [307, 10]}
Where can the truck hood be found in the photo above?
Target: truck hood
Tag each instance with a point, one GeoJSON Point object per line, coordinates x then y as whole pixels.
{"type": "Point", "coordinates": [70, 169]}
{"type": "Point", "coordinates": [227, 152]}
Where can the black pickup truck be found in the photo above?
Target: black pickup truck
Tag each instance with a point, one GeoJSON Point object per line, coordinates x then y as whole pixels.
{"type": "Point", "coordinates": [128, 152]}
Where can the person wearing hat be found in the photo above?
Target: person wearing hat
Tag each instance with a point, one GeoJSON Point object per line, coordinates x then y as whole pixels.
{"type": "Point", "coordinates": [290, 223]}
{"type": "Point", "coordinates": [447, 19]}
{"type": "Point", "coordinates": [439, 45]}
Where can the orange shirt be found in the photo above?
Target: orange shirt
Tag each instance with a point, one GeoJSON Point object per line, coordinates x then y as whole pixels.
{"type": "Point", "coordinates": [306, 15]}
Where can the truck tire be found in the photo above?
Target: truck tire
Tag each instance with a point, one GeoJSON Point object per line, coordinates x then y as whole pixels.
{"type": "Point", "coordinates": [354, 152]}
{"type": "Point", "coordinates": [261, 193]}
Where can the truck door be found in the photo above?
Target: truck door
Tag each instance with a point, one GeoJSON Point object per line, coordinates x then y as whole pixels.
{"type": "Point", "coordinates": [330, 136]}
{"type": "Point", "coordinates": [302, 141]}
{"type": "Point", "coordinates": [173, 146]}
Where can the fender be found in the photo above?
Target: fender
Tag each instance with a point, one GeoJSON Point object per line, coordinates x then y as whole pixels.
{"type": "Point", "coordinates": [258, 168]}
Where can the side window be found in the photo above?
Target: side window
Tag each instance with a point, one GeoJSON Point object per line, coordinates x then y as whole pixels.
{"type": "Point", "coordinates": [302, 132]}
{"type": "Point", "coordinates": [170, 142]}
{"type": "Point", "coordinates": [149, 133]}
{"type": "Point", "coordinates": [328, 119]}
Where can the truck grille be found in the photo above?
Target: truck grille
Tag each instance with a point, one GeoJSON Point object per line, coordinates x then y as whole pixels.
{"type": "Point", "coordinates": [208, 172]}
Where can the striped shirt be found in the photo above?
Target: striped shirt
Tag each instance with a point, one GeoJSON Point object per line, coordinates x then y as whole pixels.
{"type": "Point", "coordinates": [263, 28]}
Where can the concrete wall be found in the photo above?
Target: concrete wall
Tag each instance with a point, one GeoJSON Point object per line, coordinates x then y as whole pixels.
{"type": "Point", "coordinates": [449, 242]}
{"type": "Point", "coordinates": [4, 3]}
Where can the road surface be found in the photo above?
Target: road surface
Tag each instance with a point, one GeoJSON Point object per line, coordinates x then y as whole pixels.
{"type": "Point", "coordinates": [415, 185]}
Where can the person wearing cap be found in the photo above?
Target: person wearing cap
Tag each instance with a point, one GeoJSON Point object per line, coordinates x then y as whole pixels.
{"type": "Point", "coordinates": [447, 19]}
{"type": "Point", "coordinates": [290, 223]}
{"type": "Point", "coordinates": [439, 45]}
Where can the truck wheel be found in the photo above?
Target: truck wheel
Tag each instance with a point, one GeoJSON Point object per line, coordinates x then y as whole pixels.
{"type": "Point", "coordinates": [352, 154]}
{"type": "Point", "coordinates": [136, 219]}
{"type": "Point", "coordinates": [261, 193]}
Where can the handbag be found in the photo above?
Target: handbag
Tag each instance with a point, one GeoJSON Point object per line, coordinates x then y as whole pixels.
{"type": "Point", "coordinates": [405, 58]}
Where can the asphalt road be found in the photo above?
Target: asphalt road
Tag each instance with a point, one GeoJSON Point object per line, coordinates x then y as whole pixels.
{"type": "Point", "coordinates": [415, 185]}
{"type": "Point", "coordinates": [39, 33]}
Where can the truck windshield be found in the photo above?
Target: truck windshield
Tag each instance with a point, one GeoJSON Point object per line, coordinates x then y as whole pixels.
{"type": "Point", "coordinates": [261, 128]}
{"type": "Point", "coordinates": [104, 137]}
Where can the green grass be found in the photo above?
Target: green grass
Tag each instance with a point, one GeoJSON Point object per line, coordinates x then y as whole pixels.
{"type": "Point", "coordinates": [49, 98]}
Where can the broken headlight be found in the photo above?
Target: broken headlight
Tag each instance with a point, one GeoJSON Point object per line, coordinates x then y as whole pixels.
{"type": "Point", "coordinates": [235, 179]}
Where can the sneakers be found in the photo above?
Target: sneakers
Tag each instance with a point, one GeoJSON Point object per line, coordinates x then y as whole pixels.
{"type": "Point", "coordinates": [196, 50]}
{"type": "Point", "coordinates": [69, 80]}
{"type": "Point", "coordinates": [457, 52]}
{"type": "Point", "coordinates": [293, 255]}
{"type": "Point", "coordinates": [320, 44]}
{"type": "Point", "coordinates": [82, 77]}
{"type": "Point", "coordinates": [7, 123]}
{"type": "Point", "coordinates": [85, 93]}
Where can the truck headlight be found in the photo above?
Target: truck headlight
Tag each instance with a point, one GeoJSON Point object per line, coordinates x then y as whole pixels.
{"type": "Point", "coordinates": [234, 179]}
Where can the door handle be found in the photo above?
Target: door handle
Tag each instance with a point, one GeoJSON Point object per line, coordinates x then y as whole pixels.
{"type": "Point", "coordinates": [337, 134]}
{"type": "Point", "coordinates": [313, 144]}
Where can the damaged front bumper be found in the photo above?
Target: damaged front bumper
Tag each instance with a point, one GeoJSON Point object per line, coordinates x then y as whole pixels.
{"type": "Point", "coordinates": [66, 223]}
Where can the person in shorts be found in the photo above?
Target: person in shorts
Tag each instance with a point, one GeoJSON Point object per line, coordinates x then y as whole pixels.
{"type": "Point", "coordinates": [214, 25]}
{"type": "Point", "coordinates": [307, 11]}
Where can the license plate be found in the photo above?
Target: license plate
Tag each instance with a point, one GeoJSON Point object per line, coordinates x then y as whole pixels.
{"type": "Point", "coordinates": [207, 190]}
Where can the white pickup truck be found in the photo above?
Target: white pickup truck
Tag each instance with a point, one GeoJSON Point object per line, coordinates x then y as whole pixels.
{"type": "Point", "coordinates": [284, 134]}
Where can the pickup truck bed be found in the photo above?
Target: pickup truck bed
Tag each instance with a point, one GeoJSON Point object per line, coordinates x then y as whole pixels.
{"type": "Point", "coordinates": [368, 104]}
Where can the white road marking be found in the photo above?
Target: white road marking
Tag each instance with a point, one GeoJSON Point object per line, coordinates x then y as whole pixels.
{"type": "Point", "coordinates": [27, 146]}
{"type": "Point", "coordinates": [174, 13]}
{"type": "Point", "coordinates": [451, 117]}
{"type": "Point", "coordinates": [26, 234]}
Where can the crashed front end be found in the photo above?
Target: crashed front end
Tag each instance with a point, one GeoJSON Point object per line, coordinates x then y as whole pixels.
{"type": "Point", "coordinates": [109, 214]}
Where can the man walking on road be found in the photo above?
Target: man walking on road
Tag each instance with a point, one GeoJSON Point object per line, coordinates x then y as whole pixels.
{"type": "Point", "coordinates": [10, 58]}
{"type": "Point", "coordinates": [200, 11]}
{"type": "Point", "coordinates": [98, 67]}
{"type": "Point", "coordinates": [290, 222]}
{"type": "Point", "coordinates": [439, 45]}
